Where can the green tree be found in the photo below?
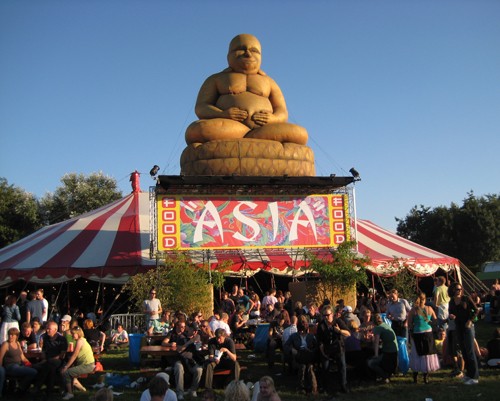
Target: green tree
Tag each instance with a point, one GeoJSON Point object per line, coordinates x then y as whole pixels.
{"type": "Point", "coordinates": [78, 194]}
{"type": "Point", "coordinates": [477, 230]}
{"type": "Point", "coordinates": [18, 213]}
{"type": "Point", "coordinates": [180, 285]}
{"type": "Point", "coordinates": [405, 282]}
{"type": "Point", "coordinates": [339, 276]}
{"type": "Point", "coordinates": [469, 232]}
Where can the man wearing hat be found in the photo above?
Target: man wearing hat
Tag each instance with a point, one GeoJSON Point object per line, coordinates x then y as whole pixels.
{"type": "Point", "coordinates": [169, 395]}
{"type": "Point", "coordinates": [348, 316]}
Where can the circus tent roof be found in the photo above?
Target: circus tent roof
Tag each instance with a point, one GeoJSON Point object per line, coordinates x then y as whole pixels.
{"type": "Point", "coordinates": [108, 244]}
{"type": "Point", "coordinates": [390, 253]}
{"type": "Point", "coordinates": [112, 243]}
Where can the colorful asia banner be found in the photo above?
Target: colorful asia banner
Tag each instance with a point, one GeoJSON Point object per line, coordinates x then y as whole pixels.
{"type": "Point", "coordinates": [223, 222]}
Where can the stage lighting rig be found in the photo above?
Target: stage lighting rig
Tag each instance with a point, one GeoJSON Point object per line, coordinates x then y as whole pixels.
{"type": "Point", "coordinates": [355, 174]}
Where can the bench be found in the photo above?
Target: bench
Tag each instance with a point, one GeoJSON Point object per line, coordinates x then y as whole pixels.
{"type": "Point", "coordinates": [227, 372]}
{"type": "Point", "coordinates": [148, 372]}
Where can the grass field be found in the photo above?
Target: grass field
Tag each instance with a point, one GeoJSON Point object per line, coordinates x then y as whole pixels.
{"type": "Point", "coordinates": [441, 387]}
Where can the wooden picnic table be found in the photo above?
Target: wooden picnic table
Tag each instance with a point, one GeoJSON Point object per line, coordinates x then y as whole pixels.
{"type": "Point", "coordinates": [33, 355]}
{"type": "Point", "coordinates": [159, 350]}
{"type": "Point", "coordinates": [154, 339]}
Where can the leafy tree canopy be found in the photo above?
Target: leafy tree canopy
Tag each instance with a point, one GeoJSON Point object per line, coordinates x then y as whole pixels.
{"type": "Point", "coordinates": [341, 274]}
{"type": "Point", "coordinates": [78, 194]}
{"type": "Point", "coordinates": [180, 285]}
{"type": "Point", "coordinates": [19, 215]}
{"type": "Point", "coordinates": [469, 232]}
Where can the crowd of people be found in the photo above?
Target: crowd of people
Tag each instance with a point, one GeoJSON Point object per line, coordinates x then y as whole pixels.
{"type": "Point", "coordinates": [37, 352]}
{"type": "Point", "coordinates": [317, 342]}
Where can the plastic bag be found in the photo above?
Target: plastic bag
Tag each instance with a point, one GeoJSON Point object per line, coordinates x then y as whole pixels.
{"type": "Point", "coordinates": [98, 367]}
{"type": "Point", "coordinates": [117, 381]}
{"type": "Point", "coordinates": [403, 357]}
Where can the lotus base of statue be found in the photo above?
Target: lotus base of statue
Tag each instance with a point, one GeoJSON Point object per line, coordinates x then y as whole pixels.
{"type": "Point", "coordinates": [247, 157]}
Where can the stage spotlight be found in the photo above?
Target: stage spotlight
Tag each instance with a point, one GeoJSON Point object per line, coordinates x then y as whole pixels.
{"type": "Point", "coordinates": [154, 171]}
{"type": "Point", "coordinates": [355, 174]}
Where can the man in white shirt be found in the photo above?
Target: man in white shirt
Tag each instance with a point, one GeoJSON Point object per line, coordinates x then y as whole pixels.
{"type": "Point", "coordinates": [224, 323]}
{"type": "Point", "coordinates": [397, 312]}
{"type": "Point", "coordinates": [214, 321]}
{"type": "Point", "coordinates": [269, 299]}
{"type": "Point", "coordinates": [45, 314]}
{"type": "Point", "coordinates": [152, 308]}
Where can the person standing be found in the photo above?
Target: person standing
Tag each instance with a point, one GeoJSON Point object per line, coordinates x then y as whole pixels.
{"type": "Point", "coordinates": [10, 317]}
{"type": "Point", "coordinates": [441, 301]}
{"type": "Point", "coordinates": [34, 308]}
{"type": "Point", "coordinates": [45, 303]}
{"type": "Point", "coordinates": [331, 333]}
{"type": "Point", "coordinates": [423, 357]}
{"type": "Point", "coordinates": [397, 312]}
{"type": "Point", "coordinates": [464, 312]}
{"type": "Point", "coordinates": [227, 304]}
{"type": "Point", "coordinates": [152, 308]}
{"type": "Point", "coordinates": [244, 301]}
{"type": "Point", "coordinates": [23, 304]}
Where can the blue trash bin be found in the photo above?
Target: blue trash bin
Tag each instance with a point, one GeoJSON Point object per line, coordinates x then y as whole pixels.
{"type": "Point", "coordinates": [260, 339]}
{"type": "Point", "coordinates": [134, 349]}
{"type": "Point", "coordinates": [487, 312]}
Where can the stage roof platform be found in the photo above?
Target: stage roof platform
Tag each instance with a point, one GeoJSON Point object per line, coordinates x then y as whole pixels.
{"type": "Point", "coordinates": [210, 185]}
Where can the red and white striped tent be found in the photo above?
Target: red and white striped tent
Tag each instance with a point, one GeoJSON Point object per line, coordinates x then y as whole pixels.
{"type": "Point", "coordinates": [113, 243]}
{"type": "Point", "coordinates": [109, 244]}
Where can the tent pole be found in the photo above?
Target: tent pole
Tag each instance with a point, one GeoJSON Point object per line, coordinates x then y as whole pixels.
{"type": "Point", "coordinates": [355, 214]}
{"type": "Point", "coordinates": [55, 302]}
{"type": "Point", "coordinates": [97, 295]}
{"type": "Point", "coordinates": [68, 304]}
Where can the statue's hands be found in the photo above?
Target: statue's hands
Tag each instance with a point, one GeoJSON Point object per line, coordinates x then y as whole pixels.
{"type": "Point", "coordinates": [262, 117]}
{"type": "Point", "coordinates": [236, 114]}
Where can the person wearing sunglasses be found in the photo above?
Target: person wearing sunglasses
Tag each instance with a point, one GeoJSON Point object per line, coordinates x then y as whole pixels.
{"type": "Point", "coordinates": [152, 308]}
{"type": "Point", "coordinates": [331, 333]}
{"type": "Point", "coordinates": [463, 310]}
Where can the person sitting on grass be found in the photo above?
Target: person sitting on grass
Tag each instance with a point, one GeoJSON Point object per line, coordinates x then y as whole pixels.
{"type": "Point", "coordinates": [158, 389]}
{"type": "Point", "coordinates": [493, 347]}
{"type": "Point", "coordinates": [236, 390]}
{"type": "Point", "coordinates": [264, 390]}
{"type": "Point", "coordinates": [119, 337]}
{"type": "Point", "coordinates": [169, 395]}
{"type": "Point", "coordinates": [103, 394]}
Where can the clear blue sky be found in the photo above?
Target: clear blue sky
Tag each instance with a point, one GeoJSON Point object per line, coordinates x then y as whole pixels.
{"type": "Point", "coordinates": [406, 91]}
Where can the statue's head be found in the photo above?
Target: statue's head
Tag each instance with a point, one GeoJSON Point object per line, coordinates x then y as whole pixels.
{"type": "Point", "coordinates": [245, 54]}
